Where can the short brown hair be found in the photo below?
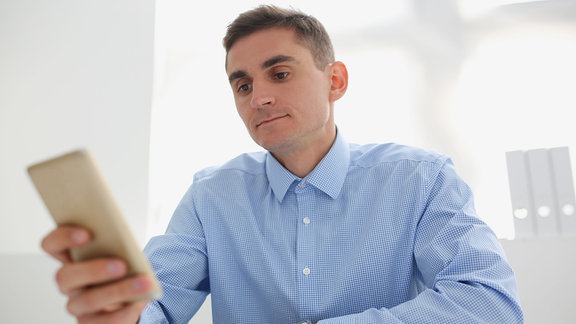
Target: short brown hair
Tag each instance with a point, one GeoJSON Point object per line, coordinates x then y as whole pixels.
{"type": "Point", "coordinates": [309, 31]}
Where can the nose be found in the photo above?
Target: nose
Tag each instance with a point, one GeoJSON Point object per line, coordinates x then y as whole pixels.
{"type": "Point", "coordinates": [261, 97]}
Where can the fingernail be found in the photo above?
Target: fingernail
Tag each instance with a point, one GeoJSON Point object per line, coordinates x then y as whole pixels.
{"type": "Point", "coordinates": [115, 268]}
{"type": "Point", "coordinates": [79, 237]}
{"type": "Point", "coordinates": [139, 284]}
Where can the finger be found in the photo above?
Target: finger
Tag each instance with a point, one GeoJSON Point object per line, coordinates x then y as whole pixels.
{"type": "Point", "coordinates": [97, 299]}
{"type": "Point", "coordinates": [127, 313]}
{"type": "Point", "coordinates": [58, 242]}
{"type": "Point", "coordinates": [76, 276]}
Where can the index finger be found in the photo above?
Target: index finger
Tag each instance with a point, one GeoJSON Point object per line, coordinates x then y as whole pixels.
{"type": "Point", "coordinates": [58, 242]}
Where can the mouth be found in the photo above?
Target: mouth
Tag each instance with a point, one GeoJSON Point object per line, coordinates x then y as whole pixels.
{"type": "Point", "coordinates": [270, 120]}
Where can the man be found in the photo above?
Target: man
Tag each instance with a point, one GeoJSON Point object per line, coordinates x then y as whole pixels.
{"type": "Point", "coordinates": [314, 229]}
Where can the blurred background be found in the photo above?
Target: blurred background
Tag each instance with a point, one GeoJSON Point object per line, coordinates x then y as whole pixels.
{"type": "Point", "coordinates": [141, 84]}
{"type": "Point", "coordinates": [472, 79]}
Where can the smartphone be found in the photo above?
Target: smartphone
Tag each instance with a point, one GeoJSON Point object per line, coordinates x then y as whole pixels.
{"type": "Point", "coordinates": [75, 193]}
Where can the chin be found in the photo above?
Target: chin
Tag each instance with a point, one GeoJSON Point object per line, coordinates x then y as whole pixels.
{"type": "Point", "coordinates": [275, 141]}
{"type": "Point", "coordinates": [268, 140]}
{"type": "Point", "coordinates": [271, 146]}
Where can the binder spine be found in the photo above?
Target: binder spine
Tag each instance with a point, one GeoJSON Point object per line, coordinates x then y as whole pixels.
{"type": "Point", "coordinates": [542, 192]}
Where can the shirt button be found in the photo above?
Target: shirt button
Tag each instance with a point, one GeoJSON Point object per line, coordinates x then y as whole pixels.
{"type": "Point", "coordinates": [306, 220]}
{"type": "Point", "coordinates": [306, 271]}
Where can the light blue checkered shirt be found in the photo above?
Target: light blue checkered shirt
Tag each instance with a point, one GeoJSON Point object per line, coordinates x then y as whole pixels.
{"type": "Point", "coordinates": [374, 234]}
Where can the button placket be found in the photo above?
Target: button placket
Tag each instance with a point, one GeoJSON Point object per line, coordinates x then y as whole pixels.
{"type": "Point", "coordinates": [305, 247]}
{"type": "Point", "coordinates": [306, 203]}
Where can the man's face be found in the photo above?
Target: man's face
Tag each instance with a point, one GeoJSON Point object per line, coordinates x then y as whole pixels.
{"type": "Point", "coordinates": [283, 98]}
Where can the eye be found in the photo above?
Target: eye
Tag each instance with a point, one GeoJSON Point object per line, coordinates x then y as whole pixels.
{"type": "Point", "coordinates": [281, 75]}
{"type": "Point", "coordinates": [244, 87]}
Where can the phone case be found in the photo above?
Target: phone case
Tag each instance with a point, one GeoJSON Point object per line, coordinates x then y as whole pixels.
{"type": "Point", "coordinates": [75, 193]}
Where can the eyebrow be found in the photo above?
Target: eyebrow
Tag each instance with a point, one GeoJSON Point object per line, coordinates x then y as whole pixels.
{"type": "Point", "coordinates": [236, 75]}
{"type": "Point", "coordinates": [277, 59]}
{"type": "Point", "coordinates": [266, 64]}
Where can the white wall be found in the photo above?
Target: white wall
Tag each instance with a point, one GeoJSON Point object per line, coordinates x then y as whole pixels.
{"type": "Point", "coordinates": [29, 293]}
{"type": "Point", "coordinates": [72, 74]}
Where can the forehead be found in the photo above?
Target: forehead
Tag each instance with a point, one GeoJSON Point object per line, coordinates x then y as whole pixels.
{"type": "Point", "coordinates": [252, 50]}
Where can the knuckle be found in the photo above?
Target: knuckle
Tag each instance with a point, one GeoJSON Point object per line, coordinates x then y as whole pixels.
{"type": "Point", "coordinates": [44, 244]}
{"type": "Point", "coordinates": [71, 307]}
{"type": "Point", "coordinates": [83, 304]}
{"type": "Point", "coordinates": [60, 279]}
{"type": "Point", "coordinates": [88, 301]}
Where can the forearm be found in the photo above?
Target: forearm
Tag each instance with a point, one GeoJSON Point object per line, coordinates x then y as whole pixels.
{"type": "Point", "coordinates": [457, 303]}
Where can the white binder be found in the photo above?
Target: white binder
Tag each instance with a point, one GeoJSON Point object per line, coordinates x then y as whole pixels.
{"type": "Point", "coordinates": [521, 196]}
{"type": "Point", "coordinates": [543, 193]}
{"type": "Point", "coordinates": [564, 189]}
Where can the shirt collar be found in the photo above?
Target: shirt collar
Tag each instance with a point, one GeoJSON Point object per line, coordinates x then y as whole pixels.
{"type": "Point", "coordinates": [328, 176]}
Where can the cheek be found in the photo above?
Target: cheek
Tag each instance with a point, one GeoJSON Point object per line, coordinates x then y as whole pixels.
{"type": "Point", "coordinates": [319, 101]}
{"type": "Point", "coordinates": [316, 90]}
{"type": "Point", "coordinates": [244, 114]}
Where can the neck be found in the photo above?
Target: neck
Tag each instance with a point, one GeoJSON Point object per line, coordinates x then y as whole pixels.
{"type": "Point", "coordinates": [302, 161]}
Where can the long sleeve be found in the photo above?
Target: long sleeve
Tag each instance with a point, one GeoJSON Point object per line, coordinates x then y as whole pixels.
{"type": "Point", "coordinates": [460, 263]}
{"type": "Point", "coordinates": [180, 261]}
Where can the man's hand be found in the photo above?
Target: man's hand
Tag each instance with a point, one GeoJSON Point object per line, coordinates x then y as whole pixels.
{"type": "Point", "coordinates": [98, 290]}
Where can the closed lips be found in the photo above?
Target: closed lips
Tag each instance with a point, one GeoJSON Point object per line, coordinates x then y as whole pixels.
{"type": "Point", "coordinates": [268, 120]}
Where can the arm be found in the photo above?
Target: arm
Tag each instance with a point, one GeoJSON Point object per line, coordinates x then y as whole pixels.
{"type": "Point", "coordinates": [460, 264]}
{"type": "Point", "coordinates": [180, 262]}
{"type": "Point", "coordinates": [97, 290]}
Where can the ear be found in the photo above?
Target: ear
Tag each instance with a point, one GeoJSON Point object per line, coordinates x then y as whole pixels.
{"type": "Point", "coordinates": [339, 80]}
